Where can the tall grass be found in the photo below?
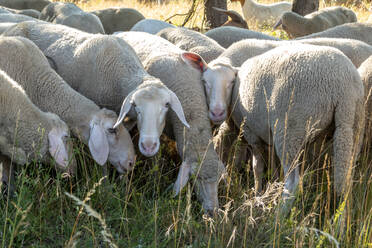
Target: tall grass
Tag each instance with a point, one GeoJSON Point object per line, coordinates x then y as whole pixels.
{"type": "Point", "coordinates": [138, 210]}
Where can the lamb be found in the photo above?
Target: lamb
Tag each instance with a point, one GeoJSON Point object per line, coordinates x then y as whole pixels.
{"type": "Point", "coordinates": [263, 13]}
{"type": "Point", "coordinates": [25, 4]}
{"type": "Point", "coordinates": [28, 12]}
{"type": "Point", "coordinates": [180, 71]}
{"type": "Point", "coordinates": [193, 41]}
{"type": "Point", "coordinates": [270, 93]}
{"type": "Point", "coordinates": [151, 26]}
{"type": "Point", "coordinates": [5, 25]}
{"type": "Point", "coordinates": [236, 19]}
{"type": "Point", "coordinates": [27, 133]}
{"type": "Point", "coordinates": [71, 15]}
{"type": "Point", "coordinates": [296, 25]}
{"type": "Point", "coordinates": [220, 73]}
{"type": "Point", "coordinates": [225, 36]}
{"type": "Point", "coordinates": [118, 19]}
{"type": "Point", "coordinates": [105, 69]}
{"type": "Point", "coordinates": [356, 31]}
{"type": "Point", "coordinates": [93, 125]}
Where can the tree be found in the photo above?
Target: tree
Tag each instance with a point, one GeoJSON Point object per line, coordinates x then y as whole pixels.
{"type": "Point", "coordinates": [214, 18]}
{"type": "Point", "coordinates": [304, 7]}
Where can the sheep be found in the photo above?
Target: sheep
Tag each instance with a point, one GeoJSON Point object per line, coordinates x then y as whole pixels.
{"type": "Point", "coordinates": [180, 71]}
{"type": "Point", "coordinates": [236, 19]}
{"type": "Point", "coordinates": [220, 73]}
{"type": "Point", "coordinates": [105, 69]}
{"type": "Point", "coordinates": [193, 41]}
{"type": "Point", "coordinates": [296, 25]}
{"type": "Point", "coordinates": [356, 31]}
{"type": "Point", "coordinates": [365, 73]}
{"type": "Point", "coordinates": [93, 125]}
{"type": "Point", "coordinates": [28, 133]}
{"type": "Point", "coordinates": [263, 13]}
{"type": "Point", "coordinates": [15, 18]}
{"type": "Point", "coordinates": [5, 25]}
{"type": "Point", "coordinates": [285, 99]}
{"type": "Point", "coordinates": [151, 26]}
{"type": "Point", "coordinates": [71, 15]}
{"type": "Point", "coordinates": [25, 4]}
{"type": "Point", "coordinates": [118, 19]}
{"type": "Point", "coordinates": [227, 35]}
{"type": "Point", "coordinates": [28, 12]}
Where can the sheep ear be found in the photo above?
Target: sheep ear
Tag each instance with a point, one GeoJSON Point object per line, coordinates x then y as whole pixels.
{"type": "Point", "coordinates": [277, 24]}
{"type": "Point", "coordinates": [194, 60]}
{"type": "Point", "coordinates": [175, 104]}
{"type": "Point", "coordinates": [57, 148]}
{"type": "Point", "coordinates": [98, 144]}
{"type": "Point", "coordinates": [125, 108]}
{"type": "Point", "coordinates": [182, 178]}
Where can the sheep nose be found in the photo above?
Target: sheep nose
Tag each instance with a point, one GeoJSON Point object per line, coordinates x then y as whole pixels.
{"type": "Point", "coordinates": [218, 112]}
{"type": "Point", "coordinates": [149, 147]}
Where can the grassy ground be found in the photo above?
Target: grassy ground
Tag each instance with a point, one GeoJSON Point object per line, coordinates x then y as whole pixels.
{"type": "Point", "coordinates": [137, 210]}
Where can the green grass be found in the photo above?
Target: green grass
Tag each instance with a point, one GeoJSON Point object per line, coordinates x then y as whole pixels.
{"type": "Point", "coordinates": [138, 210]}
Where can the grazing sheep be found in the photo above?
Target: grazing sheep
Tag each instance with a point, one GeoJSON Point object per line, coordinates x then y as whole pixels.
{"type": "Point", "coordinates": [15, 18]}
{"type": "Point", "coordinates": [180, 71]}
{"type": "Point", "coordinates": [5, 25]}
{"type": "Point", "coordinates": [285, 99]}
{"type": "Point", "coordinates": [105, 69]}
{"type": "Point", "coordinates": [356, 31]}
{"type": "Point", "coordinates": [225, 36]}
{"type": "Point", "coordinates": [118, 19]}
{"type": "Point", "coordinates": [71, 15]}
{"type": "Point", "coordinates": [193, 41]}
{"type": "Point", "coordinates": [87, 121]}
{"type": "Point", "coordinates": [263, 13]}
{"type": "Point", "coordinates": [28, 12]}
{"type": "Point", "coordinates": [365, 72]}
{"type": "Point", "coordinates": [25, 4]}
{"type": "Point", "coordinates": [151, 26]}
{"type": "Point", "coordinates": [220, 73]}
{"type": "Point", "coordinates": [296, 25]}
{"type": "Point", "coordinates": [27, 133]}
{"type": "Point", "coordinates": [236, 19]}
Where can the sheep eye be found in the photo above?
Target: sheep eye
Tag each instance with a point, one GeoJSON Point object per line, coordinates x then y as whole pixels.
{"type": "Point", "coordinates": [112, 130]}
{"type": "Point", "coordinates": [167, 105]}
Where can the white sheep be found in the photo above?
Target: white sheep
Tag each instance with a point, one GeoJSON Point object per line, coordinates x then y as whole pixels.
{"type": "Point", "coordinates": [227, 35]}
{"type": "Point", "coordinates": [356, 31]}
{"type": "Point", "coordinates": [105, 69]}
{"type": "Point", "coordinates": [27, 133]}
{"type": "Point", "coordinates": [365, 72]}
{"type": "Point", "coordinates": [51, 93]}
{"type": "Point", "coordinates": [151, 26]}
{"type": "Point", "coordinates": [220, 73]}
{"type": "Point", "coordinates": [263, 13]}
{"type": "Point", "coordinates": [25, 4]}
{"type": "Point", "coordinates": [285, 99]}
{"type": "Point", "coordinates": [15, 18]}
{"type": "Point", "coordinates": [296, 25]}
{"type": "Point", "coordinates": [5, 25]}
{"type": "Point", "coordinates": [193, 41]}
{"type": "Point", "coordinates": [71, 15]}
{"type": "Point", "coordinates": [180, 71]}
{"type": "Point", "coordinates": [118, 19]}
{"type": "Point", "coordinates": [28, 12]}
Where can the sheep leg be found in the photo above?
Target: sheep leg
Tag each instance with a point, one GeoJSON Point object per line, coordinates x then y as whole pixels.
{"type": "Point", "coordinates": [7, 176]}
{"type": "Point", "coordinates": [258, 167]}
{"type": "Point", "coordinates": [224, 140]}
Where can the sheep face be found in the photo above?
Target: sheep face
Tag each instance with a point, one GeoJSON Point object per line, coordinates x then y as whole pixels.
{"type": "Point", "coordinates": [108, 143]}
{"type": "Point", "coordinates": [218, 82]}
{"type": "Point", "coordinates": [151, 104]}
{"type": "Point", "coordinates": [60, 147]}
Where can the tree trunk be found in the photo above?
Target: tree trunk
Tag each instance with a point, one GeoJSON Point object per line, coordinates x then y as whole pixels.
{"type": "Point", "coordinates": [304, 7]}
{"type": "Point", "coordinates": [214, 18]}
